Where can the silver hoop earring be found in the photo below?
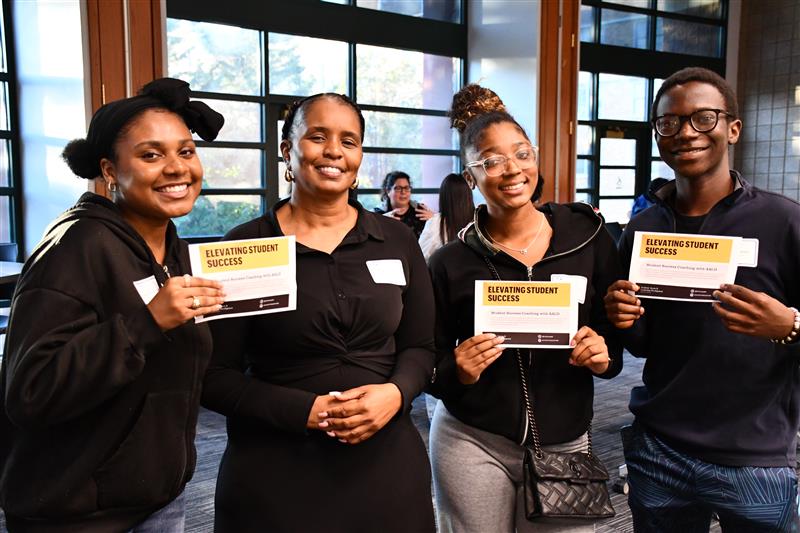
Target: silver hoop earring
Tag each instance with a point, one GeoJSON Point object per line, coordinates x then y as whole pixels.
{"type": "Point", "coordinates": [112, 187]}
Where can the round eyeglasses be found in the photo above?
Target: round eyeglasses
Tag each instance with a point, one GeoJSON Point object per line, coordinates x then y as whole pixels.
{"type": "Point", "coordinates": [495, 165]}
{"type": "Point", "coordinates": [702, 120]}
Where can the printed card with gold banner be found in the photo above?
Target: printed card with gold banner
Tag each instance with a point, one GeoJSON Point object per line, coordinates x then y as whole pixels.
{"type": "Point", "coordinates": [677, 266]}
{"type": "Point", "coordinates": [529, 314]}
{"type": "Point", "coordinates": [257, 275]}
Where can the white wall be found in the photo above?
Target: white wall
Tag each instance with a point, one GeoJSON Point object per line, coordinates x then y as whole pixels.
{"type": "Point", "coordinates": [503, 54]}
{"type": "Point", "coordinates": [50, 66]}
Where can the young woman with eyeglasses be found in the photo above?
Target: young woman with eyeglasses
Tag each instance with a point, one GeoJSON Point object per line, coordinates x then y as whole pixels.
{"type": "Point", "coordinates": [398, 204]}
{"type": "Point", "coordinates": [478, 429]}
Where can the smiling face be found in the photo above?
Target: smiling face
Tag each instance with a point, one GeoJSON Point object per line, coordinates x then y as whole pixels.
{"type": "Point", "coordinates": [399, 194]}
{"type": "Point", "coordinates": [514, 187]}
{"type": "Point", "coordinates": [689, 153]}
{"type": "Point", "coordinates": [324, 150]}
{"type": "Point", "coordinates": [156, 169]}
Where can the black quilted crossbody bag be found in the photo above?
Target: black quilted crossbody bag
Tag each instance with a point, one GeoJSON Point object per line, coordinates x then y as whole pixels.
{"type": "Point", "coordinates": [559, 484]}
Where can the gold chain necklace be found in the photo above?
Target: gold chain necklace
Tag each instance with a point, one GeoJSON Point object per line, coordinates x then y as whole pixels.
{"type": "Point", "coordinates": [523, 251]}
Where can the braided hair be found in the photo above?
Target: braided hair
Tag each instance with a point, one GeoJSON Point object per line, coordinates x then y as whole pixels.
{"type": "Point", "coordinates": [302, 104]}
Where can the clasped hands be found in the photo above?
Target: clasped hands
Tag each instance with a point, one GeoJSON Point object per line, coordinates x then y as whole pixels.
{"type": "Point", "coordinates": [354, 415]}
{"type": "Point", "coordinates": [741, 310]}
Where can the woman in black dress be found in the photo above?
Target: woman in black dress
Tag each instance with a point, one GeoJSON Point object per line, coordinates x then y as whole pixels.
{"type": "Point", "coordinates": [318, 399]}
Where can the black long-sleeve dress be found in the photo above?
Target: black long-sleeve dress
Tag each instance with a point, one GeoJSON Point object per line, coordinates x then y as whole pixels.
{"type": "Point", "coordinates": [267, 370]}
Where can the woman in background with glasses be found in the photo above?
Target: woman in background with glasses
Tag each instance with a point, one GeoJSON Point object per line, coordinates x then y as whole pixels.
{"type": "Point", "coordinates": [480, 425]}
{"type": "Point", "coordinates": [398, 204]}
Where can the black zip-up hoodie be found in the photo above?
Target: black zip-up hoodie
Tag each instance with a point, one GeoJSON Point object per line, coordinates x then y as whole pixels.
{"type": "Point", "coordinates": [723, 397]}
{"type": "Point", "coordinates": [561, 393]}
{"type": "Point", "coordinates": [98, 407]}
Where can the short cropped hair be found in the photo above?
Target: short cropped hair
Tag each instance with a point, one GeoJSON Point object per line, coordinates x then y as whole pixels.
{"type": "Point", "coordinates": [701, 75]}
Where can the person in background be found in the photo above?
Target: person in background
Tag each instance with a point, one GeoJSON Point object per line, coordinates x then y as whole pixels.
{"type": "Point", "coordinates": [480, 423]}
{"type": "Point", "coordinates": [716, 420]}
{"type": "Point", "coordinates": [100, 383]}
{"type": "Point", "coordinates": [455, 211]}
{"type": "Point", "coordinates": [396, 195]}
{"type": "Point", "coordinates": [317, 400]}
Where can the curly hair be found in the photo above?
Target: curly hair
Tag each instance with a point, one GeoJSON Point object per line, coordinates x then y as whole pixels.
{"type": "Point", "coordinates": [472, 111]}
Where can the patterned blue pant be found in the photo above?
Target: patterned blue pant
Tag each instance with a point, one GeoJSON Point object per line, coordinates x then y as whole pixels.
{"type": "Point", "coordinates": [673, 492]}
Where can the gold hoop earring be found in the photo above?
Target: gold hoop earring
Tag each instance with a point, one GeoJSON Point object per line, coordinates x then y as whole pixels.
{"type": "Point", "coordinates": [354, 185]}
{"type": "Point", "coordinates": [288, 175]}
{"type": "Point", "coordinates": [112, 187]}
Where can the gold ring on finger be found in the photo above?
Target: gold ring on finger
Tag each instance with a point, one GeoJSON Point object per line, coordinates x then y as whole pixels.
{"type": "Point", "coordinates": [195, 302]}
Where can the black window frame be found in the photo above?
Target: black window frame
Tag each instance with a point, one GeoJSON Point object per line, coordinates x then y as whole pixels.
{"type": "Point", "coordinates": [345, 23]}
{"type": "Point", "coordinates": [596, 58]}
{"type": "Point", "coordinates": [14, 189]}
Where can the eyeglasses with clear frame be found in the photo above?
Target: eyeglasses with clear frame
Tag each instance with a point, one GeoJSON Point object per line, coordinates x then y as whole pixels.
{"type": "Point", "coordinates": [525, 158]}
{"type": "Point", "coordinates": [702, 121]}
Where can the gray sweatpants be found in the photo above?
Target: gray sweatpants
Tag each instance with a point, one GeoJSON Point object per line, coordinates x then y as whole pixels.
{"type": "Point", "coordinates": [477, 479]}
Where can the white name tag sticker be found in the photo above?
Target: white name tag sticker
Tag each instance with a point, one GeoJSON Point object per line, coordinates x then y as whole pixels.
{"type": "Point", "coordinates": [748, 253]}
{"type": "Point", "coordinates": [578, 284]}
{"type": "Point", "coordinates": [147, 288]}
{"type": "Point", "coordinates": [387, 271]}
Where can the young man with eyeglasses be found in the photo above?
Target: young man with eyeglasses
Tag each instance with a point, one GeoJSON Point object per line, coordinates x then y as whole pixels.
{"type": "Point", "coordinates": [717, 418]}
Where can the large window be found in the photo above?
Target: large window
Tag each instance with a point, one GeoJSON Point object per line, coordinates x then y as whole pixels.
{"type": "Point", "coordinates": [627, 49]}
{"type": "Point", "coordinates": [10, 201]}
{"type": "Point", "coordinates": [250, 73]}
{"type": "Point", "coordinates": [223, 65]}
{"type": "Point", "coordinates": [694, 27]}
{"type": "Point", "coordinates": [446, 10]}
{"type": "Point", "coordinates": [616, 155]}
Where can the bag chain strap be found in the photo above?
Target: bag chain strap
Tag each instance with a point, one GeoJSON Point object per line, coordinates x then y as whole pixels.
{"type": "Point", "coordinates": [537, 448]}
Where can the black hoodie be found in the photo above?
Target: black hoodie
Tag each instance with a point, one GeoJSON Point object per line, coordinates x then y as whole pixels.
{"type": "Point", "coordinates": [561, 393]}
{"type": "Point", "coordinates": [98, 405]}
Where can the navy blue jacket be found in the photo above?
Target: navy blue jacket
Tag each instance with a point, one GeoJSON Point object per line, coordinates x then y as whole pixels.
{"type": "Point", "coordinates": [722, 397]}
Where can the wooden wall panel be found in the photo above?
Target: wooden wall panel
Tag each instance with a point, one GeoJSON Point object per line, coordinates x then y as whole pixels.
{"type": "Point", "coordinates": [125, 49]}
{"type": "Point", "coordinates": [145, 45]}
{"type": "Point", "coordinates": [558, 86]}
